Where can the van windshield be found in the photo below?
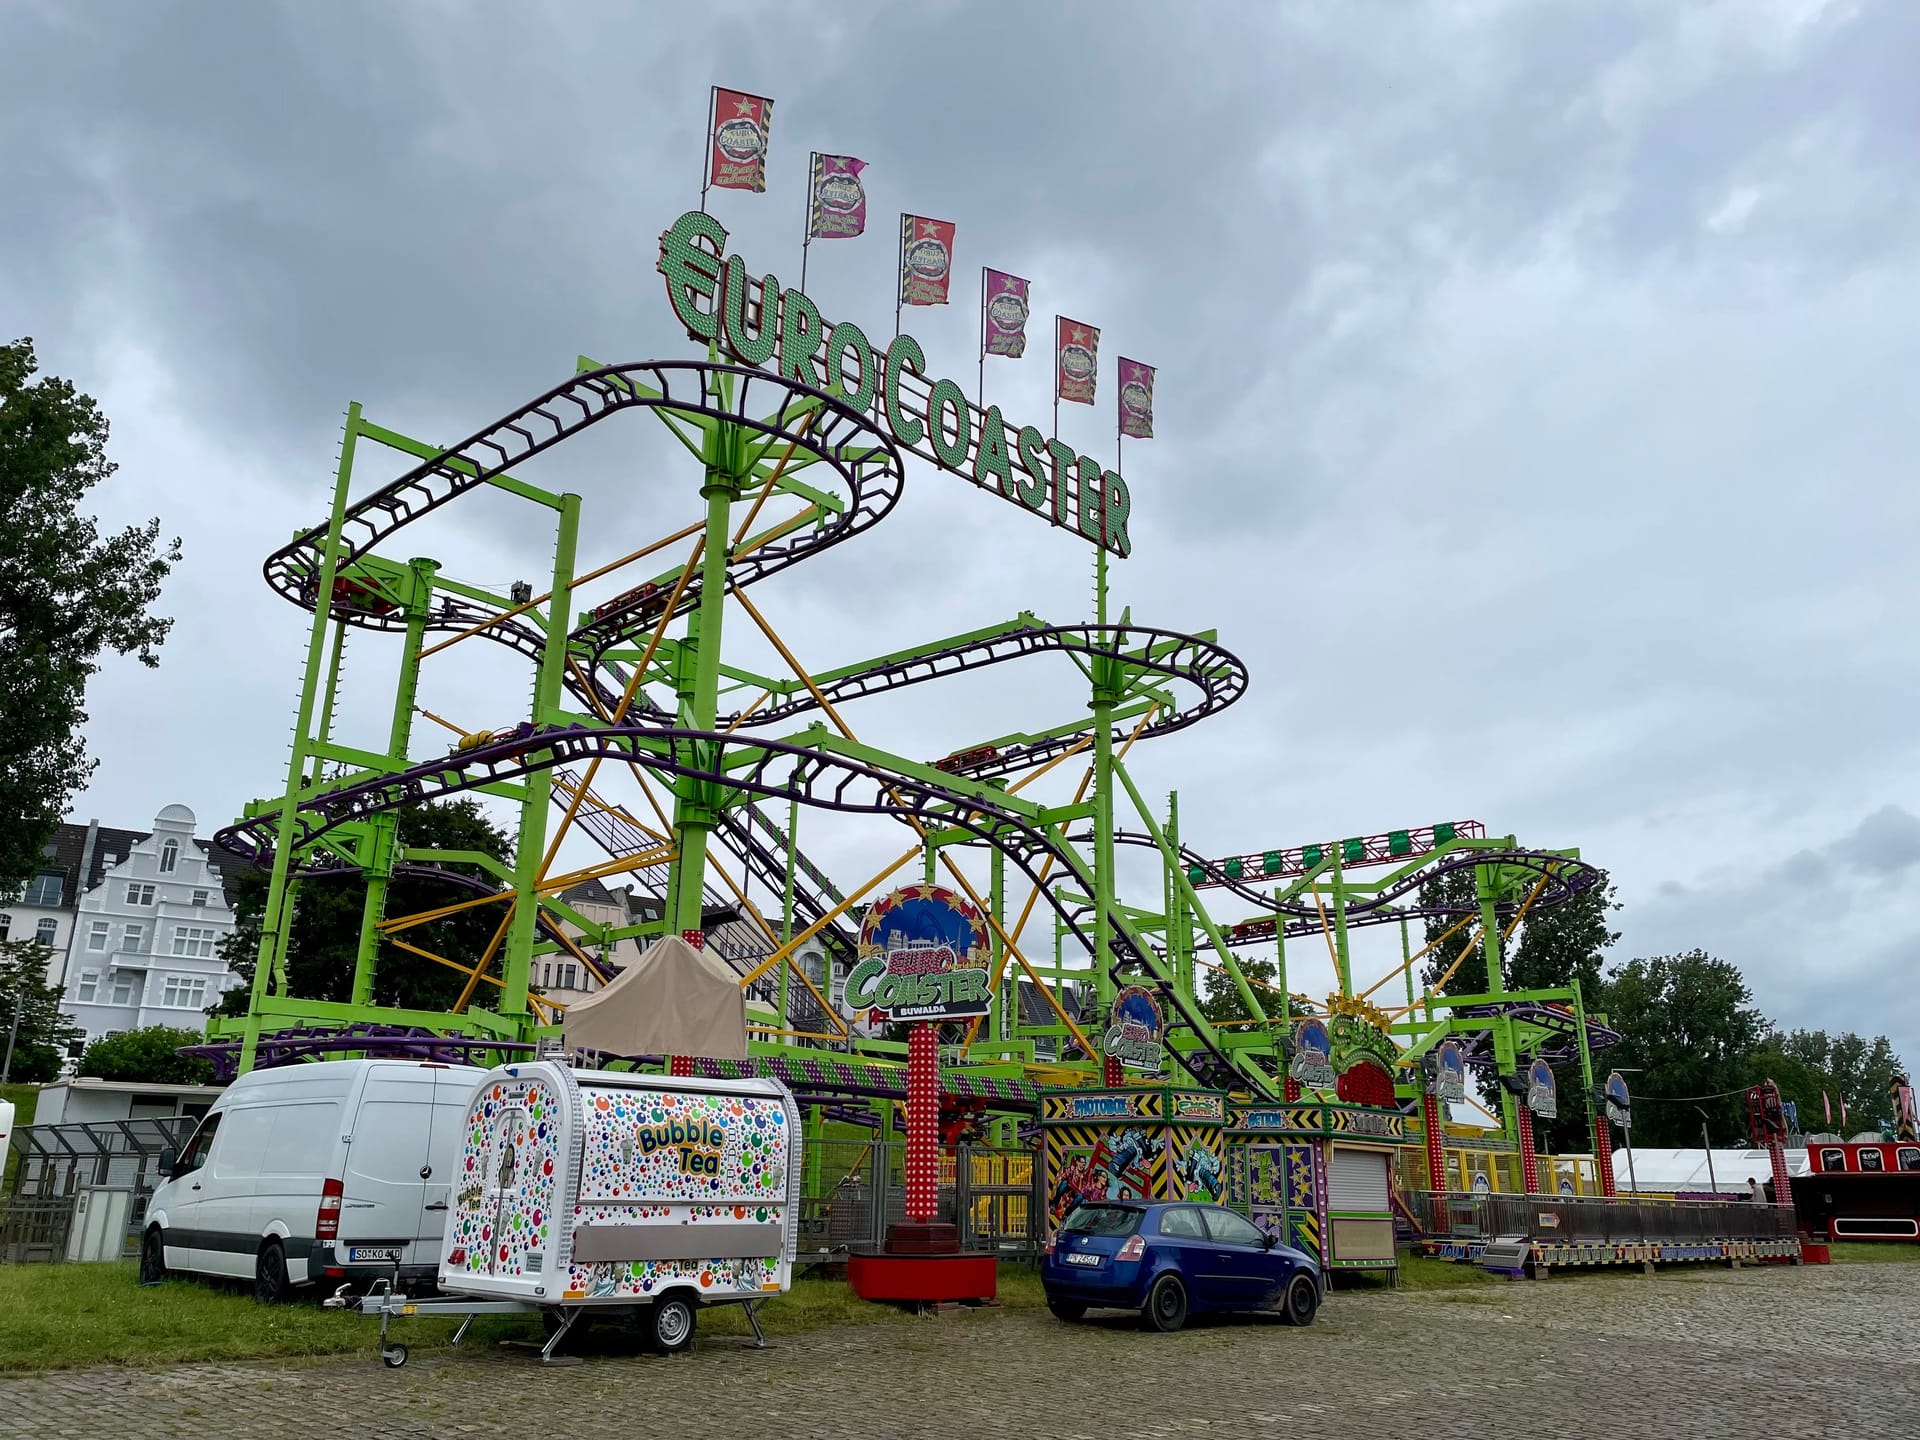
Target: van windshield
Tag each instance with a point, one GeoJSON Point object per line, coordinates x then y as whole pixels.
{"type": "Point", "coordinates": [1103, 1220]}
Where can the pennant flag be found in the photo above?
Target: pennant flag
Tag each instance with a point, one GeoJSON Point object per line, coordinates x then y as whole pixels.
{"type": "Point", "coordinates": [1843, 1112]}
{"type": "Point", "coordinates": [741, 124]}
{"type": "Point", "coordinates": [1826, 1105]}
{"type": "Point", "coordinates": [926, 260]}
{"type": "Point", "coordinates": [1076, 360]}
{"type": "Point", "coordinates": [838, 210]}
{"type": "Point", "coordinates": [1006, 311]}
{"type": "Point", "coordinates": [1136, 399]}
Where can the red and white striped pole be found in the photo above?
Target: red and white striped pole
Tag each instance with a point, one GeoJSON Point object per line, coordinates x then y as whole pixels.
{"type": "Point", "coordinates": [1603, 1153]}
{"type": "Point", "coordinates": [1436, 1141]}
{"type": "Point", "coordinates": [923, 1123]}
{"type": "Point", "coordinates": [1529, 1161]}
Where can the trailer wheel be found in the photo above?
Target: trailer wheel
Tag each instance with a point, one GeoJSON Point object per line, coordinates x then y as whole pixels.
{"type": "Point", "coordinates": [670, 1324]}
{"type": "Point", "coordinates": [394, 1356]}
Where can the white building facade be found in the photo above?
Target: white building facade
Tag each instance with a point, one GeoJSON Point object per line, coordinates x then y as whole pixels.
{"type": "Point", "coordinates": [144, 947]}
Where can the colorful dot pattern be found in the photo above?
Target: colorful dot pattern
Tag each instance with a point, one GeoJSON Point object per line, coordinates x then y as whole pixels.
{"type": "Point", "coordinates": [617, 1166]}
{"type": "Point", "coordinates": [509, 1171]}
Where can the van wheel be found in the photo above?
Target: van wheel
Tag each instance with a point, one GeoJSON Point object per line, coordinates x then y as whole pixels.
{"type": "Point", "coordinates": [1166, 1307]}
{"type": "Point", "coordinates": [1302, 1301]}
{"type": "Point", "coordinates": [153, 1257]}
{"type": "Point", "coordinates": [670, 1324]}
{"type": "Point", "coordinates": [271, 1284]}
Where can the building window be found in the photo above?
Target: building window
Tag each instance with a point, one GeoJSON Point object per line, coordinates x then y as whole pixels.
{"type": "Point", "coordinates": [139, 894]}
{"type": "Point", "coordinates": [200, 898]}
{"type": "Point", "coordinates": [123, 987]}
{"type": "Point", "coordinates": [169, 856]}
{"type": "Point", "coordinates": [185, 992]}
{"type": "Point", "coordinates": [566, 977]}
{"type": "Point", "coordinates": [193, 940]}
{"type": "Point", "coordinates": [133, 939]}
{"type": "Point", "coordinates": [6, 924]}
{"type": "Point", "coordinates": [46, 889]}
{"type": "Point", "coordinates": [97, 936]}
{"type": "Point", "coordinates": [89, 984]}
{"type": "Point", "coordinates": [46, 931]}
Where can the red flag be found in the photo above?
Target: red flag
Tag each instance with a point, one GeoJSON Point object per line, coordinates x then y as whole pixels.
{"type": "Point", "coordinates": [1076, 352]}
{"type": "Point", "coordinates": [738, 141]}
{"type": "Point", "coordinates": [926, 260]}
{"type": "Point", "coordinates": [1826, 1105]}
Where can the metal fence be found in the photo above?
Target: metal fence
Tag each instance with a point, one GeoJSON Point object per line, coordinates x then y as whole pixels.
{"type": "Point", "coordinates": [1594, 1220]}
{"type": "Point", "coordinates": [855, 1189]}
{"type": "Point", "coordinates": [57, 1162]}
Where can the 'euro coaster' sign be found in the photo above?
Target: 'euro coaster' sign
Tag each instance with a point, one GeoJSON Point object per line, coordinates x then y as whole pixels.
{"type": "Point", "coordinates": [761, 325]}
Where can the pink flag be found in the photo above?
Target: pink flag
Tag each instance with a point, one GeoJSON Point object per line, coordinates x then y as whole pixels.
{"type": "Point", "coordinates": [1076, 360]}
{"type": "Point", "coordinates": [839, 207]}
{"type": "Point", "coordinates": [1136, 399]}
{"type": "Point", "coordinates": [1005, 303]}
{"type": "Point", "coordinates": [926, 260]}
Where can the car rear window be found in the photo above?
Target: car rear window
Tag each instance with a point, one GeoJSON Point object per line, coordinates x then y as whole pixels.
{"type": "Point", "coordinates": [1103, 1220]}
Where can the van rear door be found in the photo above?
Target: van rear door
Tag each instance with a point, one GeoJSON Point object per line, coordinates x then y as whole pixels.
{"type": "Point", "coordinates": [446, 1143]}
{"type": "Point", "coordinates": [388, 1162]}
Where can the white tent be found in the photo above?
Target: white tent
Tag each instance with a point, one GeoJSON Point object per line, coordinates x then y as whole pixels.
{"type": "Point", "coordinates": [1668, 1170]}
{"type": "Point", "coordinates": [674, 1000]}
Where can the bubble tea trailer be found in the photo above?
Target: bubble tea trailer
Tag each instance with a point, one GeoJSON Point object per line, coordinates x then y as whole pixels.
{"type": "Point", "coordinates": [590, 1192]}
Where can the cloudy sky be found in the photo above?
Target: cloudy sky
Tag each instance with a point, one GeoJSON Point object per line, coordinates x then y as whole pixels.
{"type": "Point", "coordinates": [1536, 406]}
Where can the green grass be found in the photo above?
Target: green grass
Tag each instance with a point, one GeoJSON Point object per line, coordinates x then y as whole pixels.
{"type": "Point", "coordinates": [1870, 1252]}
{"type": "Point", "coordinates": [1425, 1272]}
{"type": "Point", "coordinates": [56, 1317]}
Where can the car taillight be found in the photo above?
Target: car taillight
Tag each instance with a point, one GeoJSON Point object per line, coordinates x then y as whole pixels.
{"type": "Point", "coordinates": [1133, 1249]}
{"type": "Point", "coordinates": [326, 1224]}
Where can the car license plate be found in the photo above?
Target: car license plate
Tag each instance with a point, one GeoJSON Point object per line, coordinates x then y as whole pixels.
{"type": "Point", "coordinates": [1082, 1257]}
{"type": "Point", "coordinates": [373, 1252]}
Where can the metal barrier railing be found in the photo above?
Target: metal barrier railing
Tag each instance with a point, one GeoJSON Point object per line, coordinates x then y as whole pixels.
{"type": "Point", "coordinates": [855, 1189]}
{"type": "Point", "coordinates": [1593, 1219]}
{"type": "Point", "coordinates": [34, 1228]}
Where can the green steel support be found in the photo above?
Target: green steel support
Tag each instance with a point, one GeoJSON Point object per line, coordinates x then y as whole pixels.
{"type": "Point", "coordinates": [1280, 964]}
{"type": "Point", "coordinates": [1486, 882]}
{"type": "Point", "coordinates": [386, 825]}
{"type": "Point", "coordinates": [274, 923]}
{"type": "Point", "coordinates": [334, 652]}
{"type": "Point", "coordinates": [1340, 924]}
{"type": "Point", "coordinates": [786, 914]}
{"type": "Point", "coordinates": [1109, 683]}
{"type": "Point", "coordinates": [1406, 963]}
{"type": "Point", "coordinates": [517, 962]}
{"type": "Point", "coordinates": [997, 903]}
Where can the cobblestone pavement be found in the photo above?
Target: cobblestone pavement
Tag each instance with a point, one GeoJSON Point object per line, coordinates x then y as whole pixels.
{"type": "Point", "coordinates": [1826, 1351]}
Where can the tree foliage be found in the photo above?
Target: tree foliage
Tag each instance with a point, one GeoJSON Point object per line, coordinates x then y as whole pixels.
{"type": "Point", "coordinates": [151, 1055]}
{"type": "Point", "coordinates": [325, 933]}
{"type": "Point", "coordinates": [1220, 998]}
{"type": "Point", "coordinates": [66, 596]}
{"type": "Point", "coordinates": [1810, 1064]}
{"type": "Point", "coordinates": [40, 1044]}
{"type": "Point", "coordinates": [1688, 1025]}
{"type": "Point", "coordinates": [1554, 947]}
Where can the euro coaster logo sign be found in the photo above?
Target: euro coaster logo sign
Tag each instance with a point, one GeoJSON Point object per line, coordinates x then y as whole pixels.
{"type": "Point", "coordinates": [1133, 1037]}
{"type": "Point", "coordinates": [923, 956]}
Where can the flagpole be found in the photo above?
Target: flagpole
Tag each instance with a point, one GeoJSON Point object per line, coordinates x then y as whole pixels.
{"type": "Point", "coordinates": [706, 150]}
{"type": "Point", "coordinates": [900, 283]}
{"type": "Point", "coordinates": [980, 398]}
{"type": "Point", "coordinates": [1056, 386]}
{"type": "Point", "coordinates": [806, 240]}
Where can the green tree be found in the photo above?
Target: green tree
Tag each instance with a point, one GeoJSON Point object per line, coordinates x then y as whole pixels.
{"type": "Point", "coordinates": [66, 595]}
{"type": "Point", "coordinates": [40, 1042]}
{"type": "Point", "coordinates": [325, 933]}
{"type": "Point", "coordinates": [1807, 1064]}
{"type": "Point", "coordinates": [151, 1055]}
{"type": "Point", "coordinates": [1688, 1026]}
{"type": "Point", "coordinates": [1220, 998]}
{"type": "Point", "coordinates": [1555, 946]}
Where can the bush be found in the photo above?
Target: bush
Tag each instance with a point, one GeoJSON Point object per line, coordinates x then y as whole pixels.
{"type": "Point", "coordinates": [151, 1055]}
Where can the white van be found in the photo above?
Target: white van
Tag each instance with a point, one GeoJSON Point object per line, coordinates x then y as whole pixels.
{"type": "Point", "coordinates": [332, 1171]}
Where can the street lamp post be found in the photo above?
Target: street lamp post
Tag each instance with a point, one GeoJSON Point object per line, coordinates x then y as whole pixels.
{"type": "Point", "coordinates": [1704, 1140]}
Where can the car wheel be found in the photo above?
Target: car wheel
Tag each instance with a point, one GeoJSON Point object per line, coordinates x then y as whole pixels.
{"type": "Point", "coordinates": [1068, 1310]}
{"type": "Point", "coordinates": [1166, 1308]}
{"type": "Point", "coordinates": [153, 1257]}
{"type": "Point", "coordinates": [1302, 1301]}
{"type": "Point", "coordinates": [670, 1325]}
{"type": "Point", "coordinates": [271, 1283]}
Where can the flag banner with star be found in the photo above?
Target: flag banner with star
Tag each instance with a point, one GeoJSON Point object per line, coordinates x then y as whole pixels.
{"type": "Point", "coordinates": [1006, 307]}
{"type": "Point", "coordinates": [1136, 399]}
{"type": "Point", "coordinates": [1076, 359]}
{"type": "Point", "coordinates": [838, 209]}
{"type": "Point", "coordinates": [741, 126]}
{"type": "Point", "coordinates": [926, 260]}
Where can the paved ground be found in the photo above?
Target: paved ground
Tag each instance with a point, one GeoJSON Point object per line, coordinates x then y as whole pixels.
{"type": "Point", "coordinates": [1828, 1351]}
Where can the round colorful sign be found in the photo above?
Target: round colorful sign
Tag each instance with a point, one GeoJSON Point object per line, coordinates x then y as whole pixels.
{"type": "Point", "coordinates": [1137, 400]}
{"type": "Point", "coordinates": [1008, 312]}
{"type": "Point", "coordinates": [1312, 1054]}
{"type": "Point", "coordinates": [1076, 361]}
{"type": "Point", "coordinates": [841, 193]}
{"type": "Point", "coordinates": [927, 258]}
{"type": "Point", "coordinates": [922, 956]}
{"type": "Point", "coordinates": [1134, 1036]}
{"type": "Point", "coordinates": [1542, 1092]}
{"type": "Point", "coordinates": [1619, 1102]}
{"type": "Point", "coordinates": [740, 139]}
{"type": "Point", "coordinates": [1450, 1072]}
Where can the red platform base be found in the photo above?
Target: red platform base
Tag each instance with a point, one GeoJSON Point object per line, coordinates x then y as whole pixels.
{"type": "Point", "coordinates": [924, 1278]}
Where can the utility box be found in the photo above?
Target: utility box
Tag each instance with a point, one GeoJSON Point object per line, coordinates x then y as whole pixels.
{"type": "Point", "coordinates": [99, 1229]}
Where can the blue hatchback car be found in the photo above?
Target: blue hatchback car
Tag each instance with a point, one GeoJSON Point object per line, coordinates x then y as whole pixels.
{"type": "Point", "coordinates": [1170, 1260]}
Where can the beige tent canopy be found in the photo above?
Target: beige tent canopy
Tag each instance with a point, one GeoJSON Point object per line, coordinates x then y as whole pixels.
{"type": "Point", "coordinates": [675, 1000]}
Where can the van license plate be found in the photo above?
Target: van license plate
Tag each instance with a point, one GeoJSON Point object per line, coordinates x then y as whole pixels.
{"type": "Point", "coordinates": [373, 1252]}
{"type": "Point", "coordinates": [1082, 1257]}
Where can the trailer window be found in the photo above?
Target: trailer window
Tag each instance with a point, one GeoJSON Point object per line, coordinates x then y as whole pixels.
{"type": "Point", "coordinates": [1909, 1158]}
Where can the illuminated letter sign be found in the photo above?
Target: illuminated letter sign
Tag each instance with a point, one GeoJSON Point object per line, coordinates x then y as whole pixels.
{"type": "Point", "coordinates": [923, 956]}
{"type": "Point", "coordinates": [758, 323]}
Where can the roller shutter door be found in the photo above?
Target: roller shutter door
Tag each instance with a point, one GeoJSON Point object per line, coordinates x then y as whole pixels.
{"type": "Point", "coordinates": [1357, 1181]}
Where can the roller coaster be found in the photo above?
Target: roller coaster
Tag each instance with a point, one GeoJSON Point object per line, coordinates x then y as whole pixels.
{"type": "Point", "coordinates": [634, 689]}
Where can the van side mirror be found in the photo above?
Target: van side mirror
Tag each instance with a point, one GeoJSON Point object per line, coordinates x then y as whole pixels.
{"type": "Point", "coordinates": [168, 1159]}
